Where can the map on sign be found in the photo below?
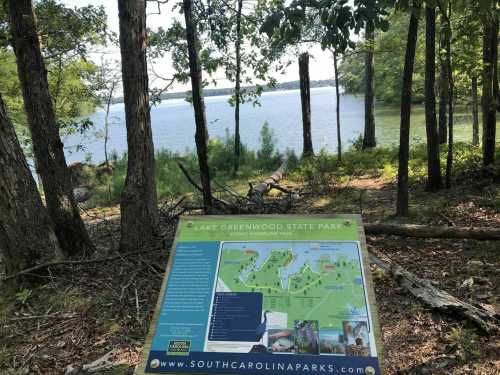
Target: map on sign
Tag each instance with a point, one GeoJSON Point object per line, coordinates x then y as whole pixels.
{"type": "Point", "coordinates": [300, 281]}
{"type": "Point", "coordinates": [259, 295]}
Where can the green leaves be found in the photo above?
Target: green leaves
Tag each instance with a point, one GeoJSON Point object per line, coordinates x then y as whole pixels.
{"type": "Point", "coordinates": [331, 23]}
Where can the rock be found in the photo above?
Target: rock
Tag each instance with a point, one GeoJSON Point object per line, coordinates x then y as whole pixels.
{"type": "Point", "coordinates": [467, 284]}
{"type": "Point", "coordinates": [103, 169]}
{"type": "Point", "coordinates": [475, 263]}
{"type": "Point", "coordinates": [82, 194]}
{"type": "Point", "coordinates": [77, 171]}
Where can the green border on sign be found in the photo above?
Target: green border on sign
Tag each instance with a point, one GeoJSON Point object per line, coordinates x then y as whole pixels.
{"type": "Point", "coordinates": [239, 228]}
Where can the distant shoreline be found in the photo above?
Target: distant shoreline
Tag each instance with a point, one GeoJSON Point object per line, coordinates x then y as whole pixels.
{"type": "Point", "coordinates": [284, 86]}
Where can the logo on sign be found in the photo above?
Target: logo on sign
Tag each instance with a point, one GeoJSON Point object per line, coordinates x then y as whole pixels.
{"type": "Point", "coordinates": [176, 347]}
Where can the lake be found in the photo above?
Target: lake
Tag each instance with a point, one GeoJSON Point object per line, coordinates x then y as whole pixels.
{"type": "Point", "coordinates": [174, 128]}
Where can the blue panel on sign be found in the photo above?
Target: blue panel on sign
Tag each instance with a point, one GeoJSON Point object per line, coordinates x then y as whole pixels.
{"type": "Point", "coordinates": [236, 317]}
{"type": "Point", "coordinates": [186, 304]}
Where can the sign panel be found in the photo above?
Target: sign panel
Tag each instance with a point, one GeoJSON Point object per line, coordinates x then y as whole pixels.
{"type": "Point", "coordinates": [266, 295]}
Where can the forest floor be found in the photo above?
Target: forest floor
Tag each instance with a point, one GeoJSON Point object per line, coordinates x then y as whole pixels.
{"type": "Point", "coordinates": [82, 312]}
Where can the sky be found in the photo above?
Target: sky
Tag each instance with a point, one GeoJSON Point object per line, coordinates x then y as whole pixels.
{"type": "Point", "coordinates": [320, 66]}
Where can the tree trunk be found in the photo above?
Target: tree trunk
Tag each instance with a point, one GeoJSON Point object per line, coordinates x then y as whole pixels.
{"type": "Point", "coordinates": [257, 192]}
{"type": "Point", "coordinates": [443, 94]}
{"type": "Point", "coordinates": [438, 299]}
{"type": "Point", "coordinates": [199, 106]}
{"type": "Point", "coordinates": [404, 135]}
{"type": "Point", "coordinates": [369, 140]}
{"type": "Point", "coordinates": [337, 106]}
{"type": "Point", "coordinates": [426, 231]}
{"type": "Point", "coordinates": [139, 206]}
{"type": "Point", "coordinates": [47, 145]}
{"type": "Point", "coordinates": [237, 143]}
{"type": "Point", "coordinates": [305, 99]}
{"type": "Point", "coordinates": [26, 232]}
{"type": "Point", "coordinates": [490, 41]}
{"type": "Point", "coordinates": [106, 121]}
{"type": "Point", "coordinates": [475, 112]}
{"type": "Point", "coordinates": [449, 156]}
{"type": "Point", "coordinates": [433, 162]}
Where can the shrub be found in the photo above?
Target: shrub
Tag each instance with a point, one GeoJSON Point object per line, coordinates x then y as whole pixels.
{"type": "Point", "coordinates": [268, 158]}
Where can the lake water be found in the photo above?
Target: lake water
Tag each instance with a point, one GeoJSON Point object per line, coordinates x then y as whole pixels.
{"type": "Point", "coordinates": [174, 128]}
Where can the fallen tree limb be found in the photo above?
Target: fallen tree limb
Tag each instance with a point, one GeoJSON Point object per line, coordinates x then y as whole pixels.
{"type": "Point", "coordinates": [257, 192]}
{"type": "Point", "coordinates": [438, 299]}
{"type": "Point", "coordinates": [426, 231]}
{"type": "Point", "coordinates": [99, 365]}
{"type": "Point", "coordinates": [198, 187]}
{"type": "Point", "coordinates": [42, 266]}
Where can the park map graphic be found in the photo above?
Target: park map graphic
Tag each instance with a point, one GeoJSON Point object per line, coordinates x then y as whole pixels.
{"type": "Point", "coordinates": [298, 278]}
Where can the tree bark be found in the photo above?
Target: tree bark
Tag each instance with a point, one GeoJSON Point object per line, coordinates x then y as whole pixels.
{"type": "Point", "coordinates": [449, 156]}
{"type": "Point", "coordinates": [433, 162]}
{"type": "Point", "coordinates": [443, 93]}
{"type": "Point", "coordinates": [475, 112]}
{"type": "Point", "coordinates": [139, 206]}
{"type": "Point", "coordinates": [305, 99]}
{"type": "Point", "coordinates": [337, 106]}
{"type": "Point", "coordinates": [26, 232]}
{"type": "Point", "coordinates": [369, 140]}
{"type": "Point", "coordinates": [404, 135]}
{"type": "Point", "coordinates": [201, 138]}
{"type": "Point", "coordinates": [490, 45]}
{"type": "Point", "coordinates": [106, 120]}
{"type": "Point", "coordinates": [47, 145]}
{"type": "Point", "coordinates": [237, 142]}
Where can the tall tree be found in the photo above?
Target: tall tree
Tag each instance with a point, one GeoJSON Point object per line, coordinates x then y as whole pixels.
{"type": "Point", "coordinates": [433, 162]}
{"type": "Point", "coordinates": [489, 107]}
{"type": "Point", "coordinates": [406, 94]}
{"type": "Point", "coordinates": [139, 206]}
{"type": "Point", "coordinates": [237, 94]}
{"type": "Point", "coordinates": [443, 90]}
{"type": "Point", "coordinates": [26, 232]}
{"type": "Point", "coordinates": [305, 100]}
{"type": "Point", "coordinates": [475, 112]}
{"type": "Point", "coordinates": [201, 134]}
{"type": "Point", "coordinates": [47, 145]}
{"type": "Point", "coordinates": [369, 140]}
{"type": "Point", "coordinates": [337, 105]}
{"type": "Point", "coordinates": [449, 69]}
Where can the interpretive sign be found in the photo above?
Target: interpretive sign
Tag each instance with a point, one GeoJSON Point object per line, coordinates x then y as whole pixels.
{"type": "Point", "coordinates": [266, 295]}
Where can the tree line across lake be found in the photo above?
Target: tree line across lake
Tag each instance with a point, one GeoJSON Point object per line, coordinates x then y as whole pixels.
{"type": "Point", "coordinates": [441, 52]}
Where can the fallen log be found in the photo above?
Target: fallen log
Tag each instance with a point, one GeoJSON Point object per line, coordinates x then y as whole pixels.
{"type": "Point", "coordinates": [98, 366]}
{"type": "Point", "coordinates": [257, 192]}
{"type": "Point", "coordinates": [438, 299]}
{"type": "Point", "coordinates": [426, 231]}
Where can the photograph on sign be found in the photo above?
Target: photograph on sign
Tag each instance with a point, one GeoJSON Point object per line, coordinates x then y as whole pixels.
{"type": "Point", "coordinates": [266, 294]}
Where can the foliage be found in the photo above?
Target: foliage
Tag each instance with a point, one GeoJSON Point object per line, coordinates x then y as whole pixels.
{"type": "Point", "coordinates": [464, 343]}
{"type": "Point", "coordinates": [268, 158]}
{"type": "Point", "coordinates": [67, 35]}
{"type": "Point", "coordinates": [170, 182]}
{"type": "Point", "coordinates": [216, 31]}
{"type": "Point", "coordinates": [325, 170]}
{"type": "Point", "coordinates": [389, 47]}
{"type": "Point", "coordinates": [330, 23]}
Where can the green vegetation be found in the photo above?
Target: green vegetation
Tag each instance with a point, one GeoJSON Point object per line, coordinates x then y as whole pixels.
{"type": "Point", "coordinates": [381, 162]}
{"type": "Point", "coordinates": [171, 182]}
